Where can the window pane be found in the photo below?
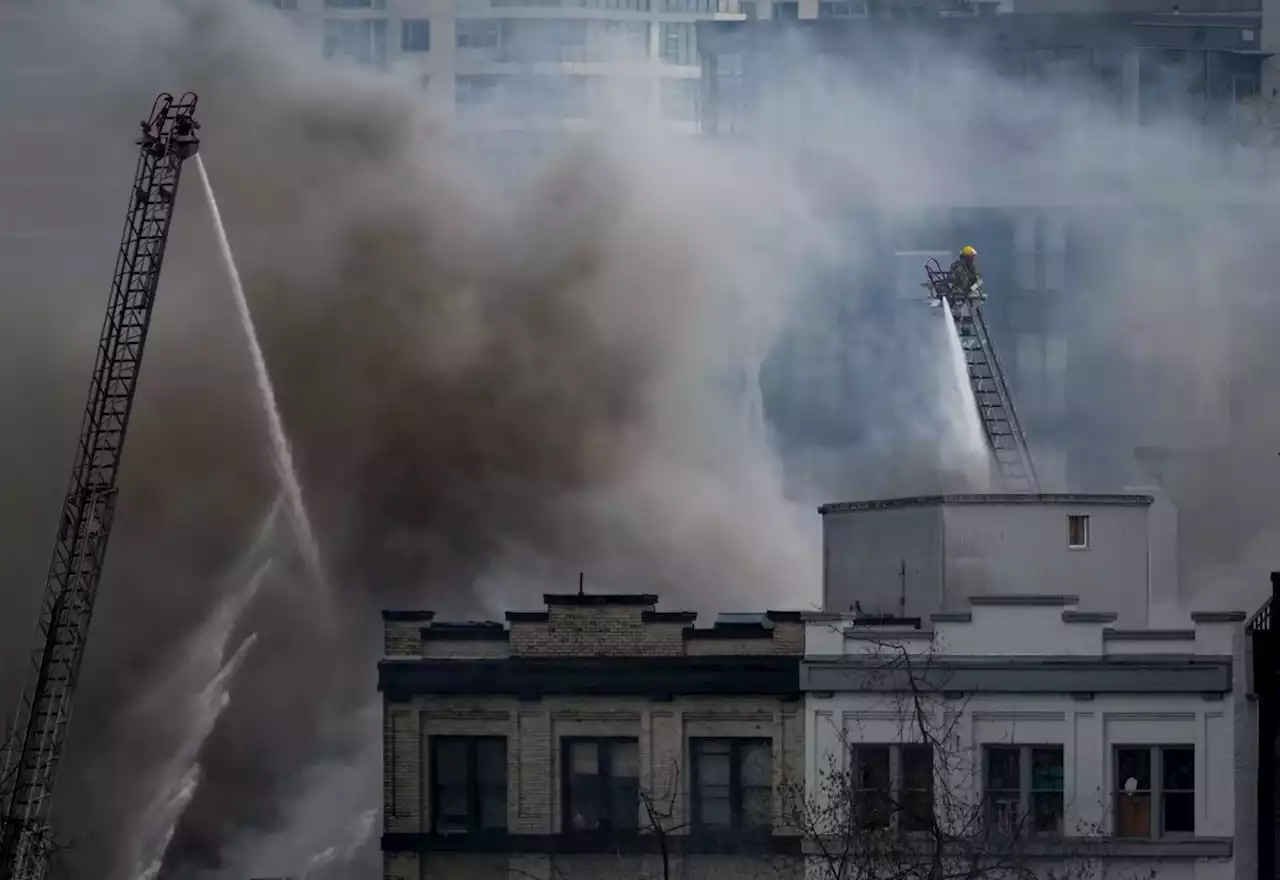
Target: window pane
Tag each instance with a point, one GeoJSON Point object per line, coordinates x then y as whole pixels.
{"type": "Point", "coordinates": [451, 761]}
{"type": "Point", "coordinates": [454, 809]}
{"type": "Point", "coordinates": [491, 761]}
{"type": "Point", "coordinates": [714, 764]}
{"type": "Point", "coordinates": [874, 807]}
{"type": "Point", "coordinates": [584, 758]}
{"type": "Point", "coordinates": [757, 806]}
{"type": "Point", "coordinates": [585, 807]}
{"type": "Point", "coordinates": [872, 763]}
{"type": "Point", "coordinates": [757, 764]}
{"type": "Point", "coordinates": [917, 768]}
{"type": "Point", "coordinates": [1133, 769]}
{"type": "Point", "coordinates": [1046, 769]}
{"type": "Point", "coordinates": [624, 760]}
{"type": "Point", "coordinates": [1004, 810]}
{"type": "Point", "coordinates": [1046, 812]}
{"type": "Point", "coordinates": [917, 810]}
{"type": "Point", "coordinates": [624, 803]}
{"type": "Point", "coordinates": [493, 809]}
{"type": "Point", "coordinates": [1003, 769]}
{"type": "Point", "coordinates": [715, 809]}
{"type": "Point", "coordinates": [1180, 813]}
{"type": "Point", "coordinates": [1133, 815]}
{"type": "Point", "coordinates": [1179, 769]}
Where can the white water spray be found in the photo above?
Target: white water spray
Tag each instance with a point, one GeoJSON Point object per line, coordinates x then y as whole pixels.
{"type": "Point", "coordinates": [203, 668]}
{"type": "Point", "coordinates": [308, 546]}
{"type": "Point", "coordinates": [168, 806]}
{"type": "Point", "coordinates": [967, 437]}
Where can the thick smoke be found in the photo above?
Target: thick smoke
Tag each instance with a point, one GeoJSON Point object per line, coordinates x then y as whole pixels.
{"type": "Point", "coordinates": [490, 387]}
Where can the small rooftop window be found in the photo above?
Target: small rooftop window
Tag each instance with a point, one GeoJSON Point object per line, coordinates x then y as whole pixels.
{"type": "Point", "coordinates": [1077, 531]}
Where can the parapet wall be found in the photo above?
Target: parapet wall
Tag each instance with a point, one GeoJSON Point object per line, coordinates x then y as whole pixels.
{"type": "Point", "coordinates": [1021, 626]}
{"type": "Point", "coordinates": [592, 625]}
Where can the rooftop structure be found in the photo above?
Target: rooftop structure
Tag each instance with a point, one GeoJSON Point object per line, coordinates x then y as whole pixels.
{"type": "Point", "coordinates": [914, 557]}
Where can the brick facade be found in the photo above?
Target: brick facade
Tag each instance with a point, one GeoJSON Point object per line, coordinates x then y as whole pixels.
{"type": "Point", "coordinates": [584, 627]}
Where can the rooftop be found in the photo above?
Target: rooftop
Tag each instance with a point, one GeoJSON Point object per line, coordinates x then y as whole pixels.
{"type": "Point", "coordinates": [1046, 498]}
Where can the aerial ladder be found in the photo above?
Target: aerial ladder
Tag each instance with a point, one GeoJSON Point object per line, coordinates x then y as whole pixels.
{"type": "Point", "coordinates": [34, 750]}
{"type": "Point", "coordinates": [1010, 456]}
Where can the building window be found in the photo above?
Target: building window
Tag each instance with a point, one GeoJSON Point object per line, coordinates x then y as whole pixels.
{"type": "Point", "coordinates": [679, 42]}
{"type": "Point", "coordinates": [601, 784]}
{"type": "Point", "coordinates": [477, 33]}
{"type": "Point", "coordinates": [355, 4]}
{"type": "Point", "coordinates": [1155, 791]}
{"type": "Point", "coordinates": [468, 784]}
{"type": "Point", "coordinates": [1024, 791]}
{"type": "Point", "coordinates": [358, 39]}
{"type": "Point", "coordinates": [893, 786]}
{"type": "Point", "coordinates": [732, 784]}
{"type": "Point", "coordinates": [415, 35]}
{"type": "Point", "coordinates": [842, 8]}
{"type": "Point", "coordinates": [1077, 531]}
{"type": "Point", "coordinates": [286, 5]}
{"type": "Point", "coordinates": [786, 11]}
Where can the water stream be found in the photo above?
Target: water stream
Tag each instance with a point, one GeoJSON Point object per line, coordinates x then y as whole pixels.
{"type": "Point", "coordinates": [307, 544]}
{"type": "Point", "coordinates": [965, 424]}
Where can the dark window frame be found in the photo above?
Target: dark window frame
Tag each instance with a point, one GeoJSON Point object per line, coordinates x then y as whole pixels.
{"type": "Point", "coordinates": [897, 806]}
{"type": "Point", "coordinates": [609, 823]}
{"type": "Point", "coordinates": [1078, 541]}
{"type": "Point", "coordinates": [1157, 792]}
{"type": "Point", "coordinates": [1027, 790]}
{"type": "Point", "coordinates": [412, 28]}
{"type": "Point", "coordinates": [474, 788]}
{"type": "Point", "coordinates": [737, 750]}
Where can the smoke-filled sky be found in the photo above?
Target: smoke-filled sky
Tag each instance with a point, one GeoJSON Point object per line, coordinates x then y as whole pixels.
{"type": "Point", "coordinates": [492, 382]}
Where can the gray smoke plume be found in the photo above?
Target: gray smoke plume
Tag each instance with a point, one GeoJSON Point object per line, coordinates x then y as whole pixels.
{"type": "Point", "coordinates": [491, 385]}
{"type": "Point", "coordinates": [488, 389]}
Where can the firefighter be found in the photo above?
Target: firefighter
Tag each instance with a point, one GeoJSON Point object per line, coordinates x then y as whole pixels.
{"type": "Point", "coordinates": [965, 278]}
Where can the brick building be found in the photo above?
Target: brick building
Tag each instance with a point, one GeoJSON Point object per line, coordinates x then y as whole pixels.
{"type": "Point", "coordinates": [597, 737]}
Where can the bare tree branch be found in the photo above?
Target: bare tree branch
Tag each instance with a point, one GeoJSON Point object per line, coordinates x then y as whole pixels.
{"type": "Point", "coordinates": [881, 828]}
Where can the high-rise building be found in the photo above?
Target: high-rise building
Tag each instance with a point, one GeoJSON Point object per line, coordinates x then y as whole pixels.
{"type": "Point", "coordinates": [528, 65]}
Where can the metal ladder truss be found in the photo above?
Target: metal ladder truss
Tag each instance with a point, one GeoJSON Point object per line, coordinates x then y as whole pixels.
{"type": "Point", "coordinates": [991, 395]}
{"type": "Point", "coordinates": [34, 748]}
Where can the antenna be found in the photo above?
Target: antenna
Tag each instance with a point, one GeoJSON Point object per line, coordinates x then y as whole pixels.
{"type": "Point", "coordinates": [902, 581]}
{"type": "Point", "coordinates": [581, 575]}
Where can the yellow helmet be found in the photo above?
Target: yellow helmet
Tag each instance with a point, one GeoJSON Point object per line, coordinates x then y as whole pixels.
{"type": "Point", "coordinates": [967, 251]}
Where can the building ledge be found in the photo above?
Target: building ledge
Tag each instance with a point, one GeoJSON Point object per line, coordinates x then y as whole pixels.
{"type": "Point", "coordinates": [1218, 616]}
{"type": "Point", "coordinates": [955, 500]}
{"type": "Point", "coordinates": [596, 600]}
{"type": "Point", "coordinates": [622, 676]}
{"type": "Point", "coordinates": [483, 631]}
{"type": "Point", "coordinates": [1020, 674]}
{"type": "Point", "coordinates": [1149, 635]}
{"type": "Point", "coordinates": [1083, 848]}
{"type": "Point", "coordinates": [615, 843]}
{"type": "Point", "coordinates": [1023, 600]}
{"type": "Point", "coordinates": [393, 615]}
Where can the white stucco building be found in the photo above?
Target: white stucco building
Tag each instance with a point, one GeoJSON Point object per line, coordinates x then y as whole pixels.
{"type": "Point", "coordinates": [1041, 734]}
{"type": "Point", "coordinates": [912, 557]}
